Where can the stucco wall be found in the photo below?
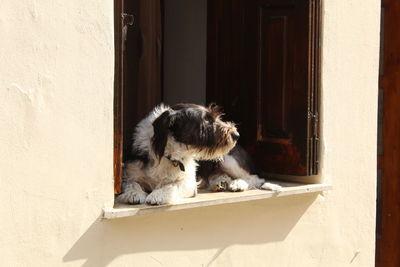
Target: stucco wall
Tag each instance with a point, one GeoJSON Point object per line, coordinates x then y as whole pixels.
{"type": "Point", "coordinates": [56, 103]}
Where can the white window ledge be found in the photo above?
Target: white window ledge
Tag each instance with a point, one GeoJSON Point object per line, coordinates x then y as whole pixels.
{"type": "Point", "coordinates": [204, 199]}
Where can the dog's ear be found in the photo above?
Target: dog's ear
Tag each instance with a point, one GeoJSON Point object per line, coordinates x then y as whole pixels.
{"type": "Point", "coordinates": [215, 110]}
{"type": "Point", "coordinates": [161, 131]}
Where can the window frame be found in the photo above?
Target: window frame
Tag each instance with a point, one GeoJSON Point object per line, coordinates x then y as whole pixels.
{"type": "Point", "coordinates": [120, 25]}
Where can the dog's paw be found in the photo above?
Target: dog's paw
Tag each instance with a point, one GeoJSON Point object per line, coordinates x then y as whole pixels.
{"type": "Point", "coordinates": [132, 197]}
{"type": "Point", "coordinates": [220, 184]}
{"type": "Point", "coordinates": [219, 187]}
{"type": "Point", "coordinates": [238, 185]}
{"type": "Point", "coordinates": [159, 197]}
{"type": "Point", "coordinates": [273, 187]}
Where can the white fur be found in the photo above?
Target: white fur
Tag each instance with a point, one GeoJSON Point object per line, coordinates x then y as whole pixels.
{"type": "Point", "coordinates": [133, 194]}
{"type": "Point", "coordinates": [163, 195]}
{"type": "Point", "coordinates": [238, 185]}
{"type": "Point", "coordinates": [163, 178]}
{"type": "Point", "coordinates": [272, 187]}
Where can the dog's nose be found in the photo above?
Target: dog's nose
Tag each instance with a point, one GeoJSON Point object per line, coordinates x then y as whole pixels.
{"type": "Point", "coordinates": [235, 136]}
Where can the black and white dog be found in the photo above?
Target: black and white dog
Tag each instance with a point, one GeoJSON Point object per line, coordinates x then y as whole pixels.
{"type": "Point", "coordinates": [167, 146]}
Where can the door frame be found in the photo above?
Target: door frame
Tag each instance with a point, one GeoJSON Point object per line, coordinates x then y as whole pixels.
{"type": "Point", "coordinates": [388, 160]}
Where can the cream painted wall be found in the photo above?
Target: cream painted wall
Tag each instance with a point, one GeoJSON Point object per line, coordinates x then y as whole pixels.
{"type": "Point", "coordinates": [56, 102]}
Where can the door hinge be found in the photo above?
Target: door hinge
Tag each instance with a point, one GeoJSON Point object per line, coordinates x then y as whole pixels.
{"type": "Point", "coordinates": [315, 125]}
{"type": "Point", "coordinates": [313, 119]}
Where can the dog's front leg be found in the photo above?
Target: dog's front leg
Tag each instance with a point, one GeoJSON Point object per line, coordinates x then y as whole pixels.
{"type": "Point", "coordinates": [171, 193]}
{"type": "Point", "coordinates": [164, 195]}
{"type": "Point", "coordinates": [133, 194]}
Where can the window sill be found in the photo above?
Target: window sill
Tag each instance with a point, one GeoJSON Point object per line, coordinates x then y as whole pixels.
{"type": "Point", "coordinates": [205, 199]}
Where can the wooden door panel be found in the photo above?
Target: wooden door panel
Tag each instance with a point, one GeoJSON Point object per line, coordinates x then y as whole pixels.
{"type": "Point", "coordinates": [142, 63]}
{"type": "Point", "coordinates": [138, 47]}
{"type": "Point", "coordinates": [282, 40]}
{"type": "Point", "coordinates": [272, 72]}
{"type": "Point", "coordinates": [261, 69]}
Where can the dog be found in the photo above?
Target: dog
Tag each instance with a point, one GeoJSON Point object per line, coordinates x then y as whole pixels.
{"type": "Point", "coordinates": [166, 147]}
{"type": "Point", "coordinates": [169, 144]}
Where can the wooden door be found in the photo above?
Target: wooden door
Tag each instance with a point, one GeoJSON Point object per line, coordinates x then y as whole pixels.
{"type": "Point", "coordinates": [388, 209]}
{"type": "Point", "coordinates": [142, 64]}
{"type": "Point", "coordinates": [138, 75]}
{"type": "Point", "coordinates": [263, 68]}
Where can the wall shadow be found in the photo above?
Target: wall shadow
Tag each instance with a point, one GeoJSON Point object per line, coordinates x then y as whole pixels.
{"type": "Point", "coordinates": [253, 222]}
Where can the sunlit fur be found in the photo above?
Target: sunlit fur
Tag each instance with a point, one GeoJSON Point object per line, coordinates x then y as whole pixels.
{"type": "Point", "coordinates": [166, 147]}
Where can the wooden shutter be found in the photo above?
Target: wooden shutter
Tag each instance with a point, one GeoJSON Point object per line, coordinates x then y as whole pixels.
{"type": "Point", "coordinates": [263, 68]}
{"type": "Point", "coordinates": [142, 66]}
{"type": "Point", "coordinates": [118, 85]}
{"type": "Point", "coordinates": [138, 53]}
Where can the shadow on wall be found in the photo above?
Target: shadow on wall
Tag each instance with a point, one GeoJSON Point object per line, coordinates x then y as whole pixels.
{"type": "Point", "coordinates": [254, 222]}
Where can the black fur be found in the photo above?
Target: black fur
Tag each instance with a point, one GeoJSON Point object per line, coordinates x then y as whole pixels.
{"type": "Point", "coordinates": [243, 159]}
{"type": "Point", "coordinates": [134, 155]}
{"type": "Point", "coordinates": [161, 130]}
{"type": "Point", "coordinates": [197, 126]}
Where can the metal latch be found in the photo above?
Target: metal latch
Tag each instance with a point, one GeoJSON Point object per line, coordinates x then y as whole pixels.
{"type": "Point", "coordinates": [127, 19]}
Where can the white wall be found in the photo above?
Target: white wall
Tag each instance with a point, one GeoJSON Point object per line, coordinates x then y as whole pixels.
{"type": "Point", "coordinates": [56, 125]}
{"type": "Point", "coordinates": [56, 104]}
{"type": "Point", "coordinates": [185, 45]}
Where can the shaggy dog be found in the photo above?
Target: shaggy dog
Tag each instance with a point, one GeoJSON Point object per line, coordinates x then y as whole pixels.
{"type": "Point", "coordinates": [167, 145]}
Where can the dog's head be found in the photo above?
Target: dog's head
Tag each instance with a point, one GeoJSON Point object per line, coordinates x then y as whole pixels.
{"type": "Point", "coordinates": [196, 128]}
